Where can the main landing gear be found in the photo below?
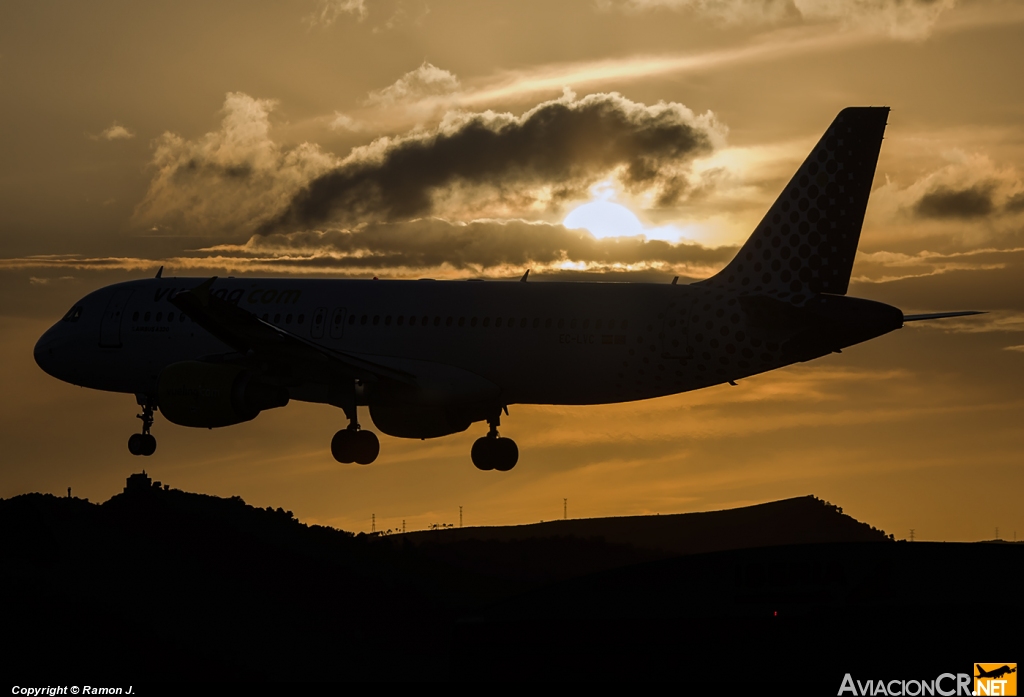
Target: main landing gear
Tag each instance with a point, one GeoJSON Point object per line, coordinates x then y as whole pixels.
{"type": "Point", "coordinates": [144, 443]}
{"type": "Point", "coordinates": [492, 452]}
{"type": "Point", "coordinates": [353, 445]}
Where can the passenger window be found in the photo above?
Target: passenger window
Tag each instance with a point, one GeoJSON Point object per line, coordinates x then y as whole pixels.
{"type": "Point", "coordinates": [387, 321]}
{"type": "Point", "coordinates": [625, 324]}
{"type": "Point", "coordinates": [362, 320]}
{"type": "Point", "coordinates": [472, 322]}
{"type": "Point", "coordinates": [277, 318]}
{"type": "Point", "coordinates": [511, 322]}
{"type": "Point", "coordinates": [547, 323]}
{"type": "Point", "coordinates": [145, 317]}
{"type": "Point", "coordinates": [448, 322]}
{"type": "Point", "coordinates": [351, 319]}
{"type": "Point", "coordinates": [586, 324]}
{"type": "Point", "coordinates": [181, 317]}
{"type": "Point", "coordinates": [572, 324]}
{"type": "Point", "coordinates": [426, 321]}
{"type": "Point", "coordinates": [288, 319]}
{"type": "Point", "coordinates": [611, 324]}
{"type": "Point", "coordinates": [135, 316]}
{"type": "Point", "coordinates": [401, 319]}
{"type": "Point", "coordinates": [170, 316]}
{"type": "Point", "coordinates": [487, 321]}
{"type": "Point", "coordinates": [266, 317]}
{"type": "Point", "coordinates": [376, 320]}
{"type": "Point", "coordinates": [561, 323]}
{"type": "Point", "coordinates": [497, 322]}
{"type": "Point", "coordinates": [437, 321]}
{"type": "Point", "coordinates": [302, 318]}
{"type": "Point", "coordinates": [462, 321]}
{"type": "Point", "coordinates": [536, 322]}
{"type": "Point", "coordinates": [159, 316]}
{"type": "Point", "coordinates": [597, 325]}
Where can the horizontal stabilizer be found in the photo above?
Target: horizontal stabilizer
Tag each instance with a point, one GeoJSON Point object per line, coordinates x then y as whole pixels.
{"type": "Point", "coordinates": [940, 315]}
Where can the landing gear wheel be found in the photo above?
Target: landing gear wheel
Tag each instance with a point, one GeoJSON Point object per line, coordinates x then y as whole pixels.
{"type": "Point", "coordinates": [367, 447]}
{"type": "Point", "coordinates": [350, 445]}
{"type": "Point", "coordinates": [135, 444]}
{"type": "Point", "coordinates": [341, 446]}
{"type": "Point", "coordinates": [494, 453]}
{"type": "Point", "coordinates": [144, 443]}
{"type": "Point", "coordinates": [482, 453]}
{"type": "Point", "coordinates": [507, 454]}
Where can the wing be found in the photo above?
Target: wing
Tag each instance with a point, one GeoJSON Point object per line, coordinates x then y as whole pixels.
{"type": "Point", "coordinates": [249, 335]}
{"type": "Point", "coordinates": [940, 315]}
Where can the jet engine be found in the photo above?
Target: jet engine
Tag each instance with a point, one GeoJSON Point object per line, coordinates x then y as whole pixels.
{"type": "Point", "coordinates": [209, 395]}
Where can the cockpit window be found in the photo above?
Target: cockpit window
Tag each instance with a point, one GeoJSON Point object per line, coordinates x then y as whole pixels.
{"type": "Point", "coordinates": [73, 314]}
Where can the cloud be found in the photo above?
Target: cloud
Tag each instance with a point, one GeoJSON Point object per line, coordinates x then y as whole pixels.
{"type": "Point", "coordinates": [229, 180]}
{"type": "Point", "coordinates": [344, 122]}
{"type": "Point", "coordinates": [1015, 204]}
{"type": "Point", "coordinates": [425, 81]}
{"type": "Point", "coordinates": [970, 198]}
{"type": "Point", "coordinates": [488, 163]}
{"type": "Point", "coordinates": [902, 19]}
{"type": "Point", "coordinates": [427, 246]}
{"type": "Point", "coordinates": [114, 132]}
{"type": "Point", "coordinates": [328, 11]}
{"type": "Point", "coordinates": [483, 246]}
{"type": "Point", "coordinates": [944, 202]}
{"type": "Point", "coordinates": [1019, 348]}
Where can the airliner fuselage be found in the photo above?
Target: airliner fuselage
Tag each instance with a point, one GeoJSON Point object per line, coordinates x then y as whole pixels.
{"type": "Point", "coordinates": [430, 358]}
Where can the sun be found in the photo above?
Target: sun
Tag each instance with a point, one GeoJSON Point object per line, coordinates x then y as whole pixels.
{"type": "Point", "coordinates": [604, 219]}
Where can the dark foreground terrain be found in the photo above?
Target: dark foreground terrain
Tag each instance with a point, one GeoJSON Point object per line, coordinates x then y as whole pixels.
{"type": "Point", "coordinates": [157, 585]}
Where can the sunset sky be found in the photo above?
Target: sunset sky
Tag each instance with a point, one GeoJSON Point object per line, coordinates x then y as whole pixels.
{"type": "Point", "coordinates": [457, 139]}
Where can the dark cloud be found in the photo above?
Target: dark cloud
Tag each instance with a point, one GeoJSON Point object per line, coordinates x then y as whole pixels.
{"type": "Point", "coordinates": [1015, 204]}
{"type": "Point", "coordinates": [944, 202]}
{"type": "Point", "coordinates": [435, 243]}
{"type": "Point", "coordinates": [564, 145]}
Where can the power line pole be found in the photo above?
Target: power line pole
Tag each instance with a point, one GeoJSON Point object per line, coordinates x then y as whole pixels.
{"type": "Point", "coordinates": [373, 522]}
{"type": "Point", "coordinates": [911, 534]}
{"type": "Point", "coordinates": [565, 509]}
{"type": "Point", "coordinates": [460, 516]}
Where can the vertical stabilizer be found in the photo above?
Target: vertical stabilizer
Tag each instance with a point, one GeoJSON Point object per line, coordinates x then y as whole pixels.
{"type": "Point", "coordinates": [807, 241]}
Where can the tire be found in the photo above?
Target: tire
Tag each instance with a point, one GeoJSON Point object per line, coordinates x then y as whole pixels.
{"type": "Point", "coordinates": [148, 444]}
{"type": "Point", "coordinates": [506, 454]}
{"type": "Point", "coordinates": [135, 444]}
{"type": "Point", "coordinates": [367, 447]}
{"type": "Point", "coordinates": [483, 453]}
{"type": "Point", "coordinates": [342, 446]}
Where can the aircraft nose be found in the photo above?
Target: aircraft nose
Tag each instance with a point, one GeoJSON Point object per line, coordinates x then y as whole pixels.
{"type": "Point", "coordinates": [45, 352]}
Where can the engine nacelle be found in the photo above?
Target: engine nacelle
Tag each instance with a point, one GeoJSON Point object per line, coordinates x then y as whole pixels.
{"type": "Point", "coordinates": [209, 395]}
{"type": "Point", "coordinates": [402, 421]}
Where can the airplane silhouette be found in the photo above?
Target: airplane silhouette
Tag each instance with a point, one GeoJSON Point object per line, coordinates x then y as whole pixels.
{"type": "Point", "coordinates": [994, 673]}
{"type": "Point", "coordinates": [430, 358]}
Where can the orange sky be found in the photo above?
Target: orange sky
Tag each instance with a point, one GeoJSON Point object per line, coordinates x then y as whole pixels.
{"type": "Point", "coordinates": [183, 134]}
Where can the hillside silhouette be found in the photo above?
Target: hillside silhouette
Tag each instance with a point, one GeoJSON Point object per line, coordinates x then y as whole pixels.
{"type": "Point", "coordinates": [157, 583]}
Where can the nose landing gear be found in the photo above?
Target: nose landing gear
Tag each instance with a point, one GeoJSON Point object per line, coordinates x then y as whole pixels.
{"type": "Point", "coordinates": [492, 452]}
{"type": "Point", "coordinates": [354, 445]}
{"type": "Point", "coordinates": [144, 443]}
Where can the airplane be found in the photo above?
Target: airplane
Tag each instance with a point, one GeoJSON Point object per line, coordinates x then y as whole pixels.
{"type": "Point", "coordinates": [430, 358]}
{"type": "Point", "coordinates": [995, 672]}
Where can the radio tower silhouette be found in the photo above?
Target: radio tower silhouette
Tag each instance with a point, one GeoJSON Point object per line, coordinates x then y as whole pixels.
{"type": "Point", "coordinates": [565, 509]}
{"type": "Point", "coordinates": [911, 534]}
{"type": "Point", "coordinates": [373, 522]}
{"type": "Point", "coordinates": [460, 516]}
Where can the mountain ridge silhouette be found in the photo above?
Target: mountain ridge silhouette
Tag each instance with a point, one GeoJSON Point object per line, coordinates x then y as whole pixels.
{"type": "Point", "coordinates": [157, 583]}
